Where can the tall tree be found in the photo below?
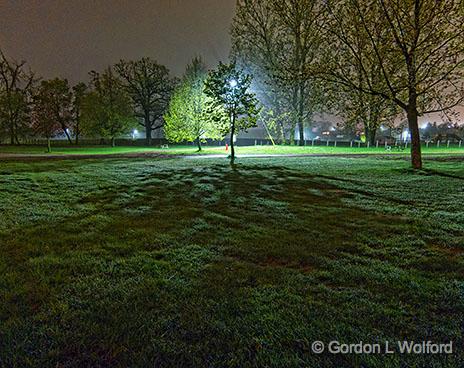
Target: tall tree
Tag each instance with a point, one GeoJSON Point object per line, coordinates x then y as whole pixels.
{"type": "Point", "coordinates": [16, 85]}
{"type": "Point", "coordinates": [188, 117]}
{"type": "Point", "coordinates": [228, 88]}
{"type": "Point", "coordinates": [79, 92]}
{"type": "Point", "coordinates": [44, 121]}
{"type": "Point", "coordinates": [418, 47]}
{"type": "Point", "coordinates": [107, 110]}
{"type": "Point", "coordinates": [150, 87]}
{"type": "Point", "coordinates": [281, 39]}
{"type": "Point", "coordinates": [55, 97]}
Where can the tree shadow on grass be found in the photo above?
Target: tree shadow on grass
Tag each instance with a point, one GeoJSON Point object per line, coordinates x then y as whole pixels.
{"type": "Point", "coordinates": [209, 266]}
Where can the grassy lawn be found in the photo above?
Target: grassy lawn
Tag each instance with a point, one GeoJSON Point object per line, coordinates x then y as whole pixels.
{"type": "Point", "coordinates": [192, 150]}
{"type": "Point", "coordinates": [190, 263]}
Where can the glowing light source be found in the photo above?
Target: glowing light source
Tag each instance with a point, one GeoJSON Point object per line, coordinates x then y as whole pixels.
{"type": "Point", "coordinates": [233, 83]}
{"type": "Point", "coordinates": [405, 135]}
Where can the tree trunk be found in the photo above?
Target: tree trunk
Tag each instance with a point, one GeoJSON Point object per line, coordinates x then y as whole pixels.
{"type": "Point", "coordinates": [77, 139]}
{"type": "Point", "coordinates": [301, 133]}
{"type": "Point", "coordinates": [416, 156]}
{"type": "Point", "coordinates": [65, 130]}
{"type": "Point", "coordinates": [49, 145]}
{"type": "Point", "coordinates": [148, 129]}
{"type": "Point", "coordinates": [282, 133]}
{"type": "Point", "coordinates": [370, 135]}
{"type": "Point", "coordinates": [232, 146]}
{"type": "Point", "coordinates": [292, 135]}
{"type": "Point", "coordinates": [113, 142]}
{"type": "Point", "coordinates": [301, 113]}
{"type": "Point", "coordinates": [198, 144]}
{"type": "Point", "coordinates": [12, 135]}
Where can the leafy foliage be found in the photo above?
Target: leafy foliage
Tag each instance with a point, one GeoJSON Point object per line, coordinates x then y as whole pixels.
{"type": "Point", "coordinates": [107, 110]}
{"type": "Point", "coordinates": [51, 108]}
{"type": "Point", "coordinates": [228, 88]}
{"type": "Point", "coordinates": [79, 92]}
{"type": "Point", "coordinates": [53, 101]}
{"type": "Point", "coordinates": [188, 117]}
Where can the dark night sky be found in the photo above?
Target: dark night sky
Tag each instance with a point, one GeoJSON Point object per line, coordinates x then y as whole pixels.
{"type": "Point", "coordinates": [68, 38]}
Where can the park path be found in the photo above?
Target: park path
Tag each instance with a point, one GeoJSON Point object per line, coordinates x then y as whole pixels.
{"type": "Point", "coordinates": [148, 155]}
{"type": "Point", "coordinates": [43, 157]}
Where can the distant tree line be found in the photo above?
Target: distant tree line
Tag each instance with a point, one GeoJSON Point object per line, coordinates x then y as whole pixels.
{"type": "Point", "coordinates": [115, 101]}
{"type": "Point", "coordinates": [369, 62]}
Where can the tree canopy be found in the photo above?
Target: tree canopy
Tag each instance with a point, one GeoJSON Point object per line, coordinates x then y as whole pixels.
{"type": "Point", "coordinates": [228, 87]}
{"type": "Point", "coordinates": [188, 117]}
{"type": "Point", "coordinates": [416, 47]}
{"type": "Point", "coordinates": [107, 110]}
{"type": "Point", "coordinates": [150, 86]}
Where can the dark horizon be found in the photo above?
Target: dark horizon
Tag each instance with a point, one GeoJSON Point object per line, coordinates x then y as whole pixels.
{"type": "Point", "coordinates": [68, 39]}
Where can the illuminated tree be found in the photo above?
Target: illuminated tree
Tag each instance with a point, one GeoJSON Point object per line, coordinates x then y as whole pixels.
{"type": "Point", "coordinates": [279, 40]}
{"type": "Point", "coordinates": [150, 87]}
{"type": "Point", "coordinates": [107, 110]}
{"type": "Point", "coordinates": [188, 118]}
{"type": "Point", "coordinates": [228, 88]}
{"type": "Point", "coordinates": [417, 47]}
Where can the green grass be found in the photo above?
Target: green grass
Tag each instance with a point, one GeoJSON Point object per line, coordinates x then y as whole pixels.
{"type": "Point", "coordinates": [192, 150]}
{"type": "Point", "coordinates": [192, 263]}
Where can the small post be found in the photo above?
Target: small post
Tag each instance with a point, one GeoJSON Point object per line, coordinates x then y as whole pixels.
{"type": "Point", "coordinates": [327, 143]}
{"type": "Point", "coordinates": [368, 144]}
{"type": "Point", "coordinates": [427, 144]}
{"type": "Point", "coordinates": [351, 144]}
{"type": "Point", "coordinates": [377, 144]}
{"type": "Point", "coordinates": [406, 145]}
{"type": "Point", "coordinates": [256, 142]}
{"type": "Point", "coordinates": [312, 143]}
{"type": "Point", "coordinates": [447, 144]}
{"type": "Point", "coordinates": [460, 143]}
{"type": "Point", "coordinates": [438, 143]}
{"type": "Point", "coordinates": [386, 145]}
{"type": "Point", "coordinates": [359, 144]}
{"type": "Point", "coordinates": [335, 144]}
